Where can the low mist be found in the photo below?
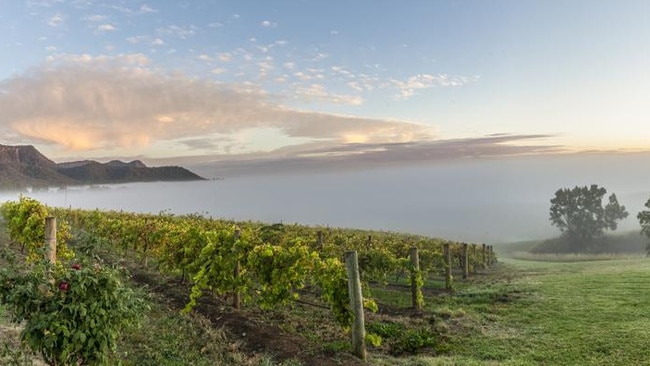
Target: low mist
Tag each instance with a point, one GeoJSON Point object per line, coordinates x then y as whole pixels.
{"type": "Point", "coordinates": [476, 200]}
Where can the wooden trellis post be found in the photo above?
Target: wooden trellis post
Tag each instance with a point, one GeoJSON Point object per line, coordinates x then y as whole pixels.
{"type": "Point", "coordinates": [474, 255]}
{"type": "Point", "coordinates": [484, 256]}
{"type": "Point", "coordinates": [416, 293]}
{"type": "Point", "coordinates": [50, 239]}
{"type": "Point", "coordinates": [465, 261]}
{"type": "Point", "coordinates": [447, 255]}
{"type": "Point", "coordinates": [356, 303]}
{"type": "Point", "coordinates": [236, 298]}
{"type": "Point", "coordinates": [319, 239]}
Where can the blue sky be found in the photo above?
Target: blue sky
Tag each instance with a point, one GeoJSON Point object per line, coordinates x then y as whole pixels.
{"type": "Point", "coordinates": [220, 80]}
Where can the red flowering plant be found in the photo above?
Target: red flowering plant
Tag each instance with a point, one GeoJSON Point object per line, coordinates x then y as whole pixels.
{"type": "Point", "coordinates": [73, 313]}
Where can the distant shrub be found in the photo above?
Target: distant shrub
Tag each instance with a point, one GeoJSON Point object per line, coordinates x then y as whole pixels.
{"type": "Point", "coordinates": [625, 243]}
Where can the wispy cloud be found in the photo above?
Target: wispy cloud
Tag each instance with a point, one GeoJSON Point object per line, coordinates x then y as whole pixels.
{"type": "Point", "coordinates": [182, 32]}
{"type": "Point", "coordinates": [218, 70]}
{"type": "Point", "coordinates": [145, 39]}
{"type": "Point", "coordinates": [143, 9]}
{"type": "Point", "coordinates": [95, 18]}
{"type": "Point", "coordinates": [55, 20]}
{"type": "Point", "coordinates": [81, 102]}
{"type": "Point", "coordinates": [407, 88]}
{"type": "Point", "coordinates": [43, 3]}
{"type": "Point", "coordinates": [317, 92]}
{"type": "Point", "coordinates": [322, 156]}
{"type": "Point", "coordinates": [106, 28]}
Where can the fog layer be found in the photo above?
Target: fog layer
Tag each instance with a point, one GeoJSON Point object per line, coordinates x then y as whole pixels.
{"type": "Point", "coordinates": [477, 200]}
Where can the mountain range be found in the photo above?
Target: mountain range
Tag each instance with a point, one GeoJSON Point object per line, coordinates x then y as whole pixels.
{"type": "Point", "coordinates": [24, 166]}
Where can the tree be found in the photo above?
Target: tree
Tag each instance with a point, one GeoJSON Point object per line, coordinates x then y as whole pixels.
{"type": "Point", "coordinates": [644, 220]}
{"type": "Point", "coordinates": [580, 215]}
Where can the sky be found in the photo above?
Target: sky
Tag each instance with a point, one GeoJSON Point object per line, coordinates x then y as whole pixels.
{"type": "Point", "coordinates": [366, 81]}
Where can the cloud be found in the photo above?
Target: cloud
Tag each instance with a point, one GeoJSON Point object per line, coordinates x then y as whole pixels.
{"type": "Point", "coordinates": [136, 39]}
{"type": "Point", "coordinates": [225, 57]}
{"type": "Point", "coordinates": [317, 92]}
{"type": "Point", "coordinates": [146, 40]}
{"type": "Point", "coordinates": [408, 87]}
{"type": "Point", "coordinates": [43, 3]}
{"type": "Point", "coordinates": [55, 20]}
{"type": "Point", "coordinates": [106, 28]}
{"type": "Point", "coordinates": [218, 70]}
{"type": "Point", "coordinates": [144, 9]}
{"type": "Point", "coordinates": [319, 156]}
{"type": "Point", "coordinates": [268, 24]}
{"type": "Point", "coordinates": [182, 32]}
{"type": "Point", "coordinates": [96, 18]}
{"type": "Point", "coordinates": [355, 86]}
{"type": "Point", "coordinates": [204, 143]}
{"type": "Point", "coordinates": [323, 156]}
{"type": "Point", "coordinates": [81, 102]}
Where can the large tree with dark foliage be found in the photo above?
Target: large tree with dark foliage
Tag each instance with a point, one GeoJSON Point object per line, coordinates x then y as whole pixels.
{"type": "Point", "coordinates": [580, 215]}
{"type": "Point", "coordinates": [644, 220]}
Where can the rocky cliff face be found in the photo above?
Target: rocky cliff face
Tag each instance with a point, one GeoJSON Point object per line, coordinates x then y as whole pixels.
{"type": "Point", "coordinates": [23, 166]}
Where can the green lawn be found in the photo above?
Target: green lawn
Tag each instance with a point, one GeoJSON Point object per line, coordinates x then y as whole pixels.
{"type": "Point", "coordinates": [586, 313]}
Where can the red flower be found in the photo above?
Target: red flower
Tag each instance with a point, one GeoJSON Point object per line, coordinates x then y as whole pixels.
{"type": "Point", "coordinates": [76, 266]}
{"type": "Point", "coordinates": [64, 286]}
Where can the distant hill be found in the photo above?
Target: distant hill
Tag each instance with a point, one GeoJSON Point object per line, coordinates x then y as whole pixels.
{"type": "Point", "coordinates": [24, 166]}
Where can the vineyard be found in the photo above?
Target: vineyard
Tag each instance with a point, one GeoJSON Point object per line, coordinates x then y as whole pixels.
{"type": "Point", "coordinates": [252, 265]}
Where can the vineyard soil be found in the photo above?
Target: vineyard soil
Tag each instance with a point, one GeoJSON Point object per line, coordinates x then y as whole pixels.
{"type": "Point", "coordinates": [256, 333]}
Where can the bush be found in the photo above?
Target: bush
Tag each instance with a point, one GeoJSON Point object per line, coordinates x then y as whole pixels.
{"type": "Point", "coordinates": [73, 313]}
{"type": "Point", "coordinates": [622, 243]}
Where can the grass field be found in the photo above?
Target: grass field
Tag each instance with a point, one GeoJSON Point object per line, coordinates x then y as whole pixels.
{"type": "Point", "coordinates": [541, 313]}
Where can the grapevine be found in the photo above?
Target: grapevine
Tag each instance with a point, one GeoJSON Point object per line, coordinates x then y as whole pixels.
{"type": "Point", "coordinates": [267, 265]}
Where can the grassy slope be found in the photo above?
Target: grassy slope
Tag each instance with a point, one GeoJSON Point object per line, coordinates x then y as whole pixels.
{"type": "Point", "coordinates": [588, 313]}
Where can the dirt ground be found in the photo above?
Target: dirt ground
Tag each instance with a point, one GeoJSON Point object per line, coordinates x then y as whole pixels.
{"type": "Point", "coordinates": [255, 336]}
{"type": "Point", "coordinates": [10, 338]}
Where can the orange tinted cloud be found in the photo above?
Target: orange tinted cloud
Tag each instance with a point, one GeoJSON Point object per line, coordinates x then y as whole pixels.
{"type": "Point", "coordinates": [84, 103]}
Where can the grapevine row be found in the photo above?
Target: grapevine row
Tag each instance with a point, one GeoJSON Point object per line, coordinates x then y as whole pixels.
{"type": "Point", "coordinates": [253, 262]}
